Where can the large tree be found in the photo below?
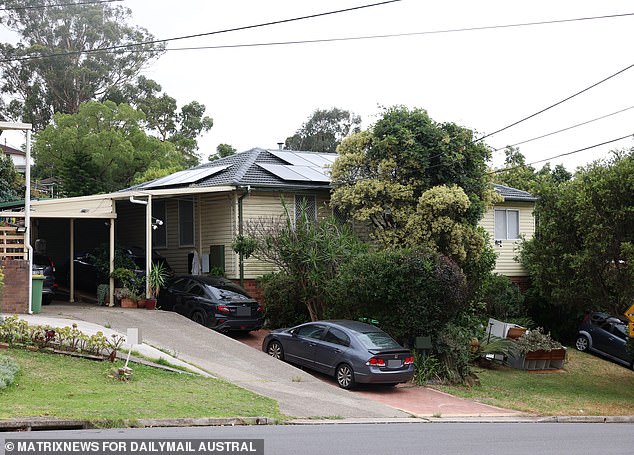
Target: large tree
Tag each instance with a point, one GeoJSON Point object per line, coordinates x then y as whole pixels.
{"type": "Point", "coordinates": [516, 173]}
{"type": "Point", "coordinates": [419, 183]}
{"type": "Point", "coordinates": [66, 56]}
{"type": "Point", "coordinates": [582, 257]}
{"type": "Point", "coordinates": [102, 148]}
{"type": "Point", "coordinates": [324, 130]}
{"type": "Point", "coordinates": [163, 119]}
{"type": "Point", "coordinates": [9, 179]}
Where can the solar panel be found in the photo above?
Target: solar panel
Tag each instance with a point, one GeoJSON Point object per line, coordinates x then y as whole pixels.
{"type": "Point", "coordinates": [313, 173]}
{"type": "Point", "coordinates": [291, 157]}
{"type": "Point", "coordinates": [187, 176]}
{"type": "Point", "coordinates": [285, 172]}
{"type": "Point", "coordinates": [315, 159]}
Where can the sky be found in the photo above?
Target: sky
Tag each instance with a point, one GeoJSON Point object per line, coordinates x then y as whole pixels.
{"type": "Point", "coordinates": [483, 80]}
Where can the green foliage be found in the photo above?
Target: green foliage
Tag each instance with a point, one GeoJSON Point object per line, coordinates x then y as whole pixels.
{"type": "Point", "coordinates": [382, 173]}
{"type": "Point", "coordinates": [9, 179]}
{"type": "Point", "coordinates": [100, 258]}
{"type": "Point", "coordinates": [307, 251]}
{"type": "Point", "coordinates": [324, 130]}
{"type": "Point", "coordinates": [419, 183]}
{"type": "Point", "coordinates": [222, 151]}
{"type": "Point", "coordinates": [8, 370]}
{"type": "Point", "coordinates": [102, 294]}
{"type": "Point", "coordinates": [412, 293]}
{"type": "Point", "coordinates": [535, 340]}
{"type": "Point", "coordinates": [102, 148]}
{"type": "Point", "coordinates": [503, 299]}
{"type": "Point", "coordinates": [582, 257]}
{"type": "Point", "coordinates": [157, 278]}
{"type": "Point", "coordinates": [284, 306]}
{"type": "Point", "coordinates": [453, 350]}
{"type": "Point", "coordinates": [245, 245]}
{"type": "Point", "coordinates": [518, 174]}
{"type": "Point", "coordinates": [427, 369]}
{"type": "Point", "coordinates": [40, 87]}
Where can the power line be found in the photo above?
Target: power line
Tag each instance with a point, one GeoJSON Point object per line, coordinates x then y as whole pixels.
{"type": "Point", "coordinates": [95, 2]}
{"type": "Point", "coordinates": [497, 171]}
{"type": "Point", "coordinates": [199, 35]}
{"type": "Point", "coordinates": [556, 104]}
{"type": "Point", "coordinates": [563, 129]}
{"type": "Point", "coordinates": [325, 40]}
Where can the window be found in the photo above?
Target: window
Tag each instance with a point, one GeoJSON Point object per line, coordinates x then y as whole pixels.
{"type": "Point", "coordinates": [305, 206]}
{"type": "Point", "coordinates": [507, 224]}
{"type": "Point", "coordinates": [336, 336]}
{"type": "Point", "coordinates": [186, 222]}
{"type": "Point", "coordinates": [311, 331]}
{"type": "Point", "coordinates": [159, 231]}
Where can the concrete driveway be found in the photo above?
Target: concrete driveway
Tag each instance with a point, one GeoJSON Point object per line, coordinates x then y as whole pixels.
{"type": "Point", "coordinates": [299, 394]}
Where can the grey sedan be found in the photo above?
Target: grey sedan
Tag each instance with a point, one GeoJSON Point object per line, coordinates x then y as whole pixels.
{"type": "Point", "coordinates": [351, 351]}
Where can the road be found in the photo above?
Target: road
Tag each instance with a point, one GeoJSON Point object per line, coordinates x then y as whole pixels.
{"type": "Point", "coordinates": [398, 439]}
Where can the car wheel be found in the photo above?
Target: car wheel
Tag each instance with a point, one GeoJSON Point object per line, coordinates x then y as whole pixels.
{"type": "Point", "coordinates": [275, 350]}
{"type": "Point", "coordinates": [345, 376]}
{"type": "Point", "coordinates": [199, 317]}
{"type": "Point", "coordinates": [582, 344]}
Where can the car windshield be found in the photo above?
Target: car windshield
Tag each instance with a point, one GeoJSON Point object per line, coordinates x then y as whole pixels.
{"type": "Point", "coordinates": [377, 340]}
{"type": "Point", "coordinates": [228, 293]}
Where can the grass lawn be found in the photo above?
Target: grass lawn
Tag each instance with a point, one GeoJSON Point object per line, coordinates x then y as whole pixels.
{"type": "Point", "coordinates": [589, 386]}
{"type": "Point", "coordinates": [55, 385]}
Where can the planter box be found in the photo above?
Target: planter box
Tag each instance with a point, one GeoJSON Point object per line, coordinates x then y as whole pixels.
{"type": "Point", "coordinates": [539, 360]}
{"type": "Point", "coordinates": [128, 303]}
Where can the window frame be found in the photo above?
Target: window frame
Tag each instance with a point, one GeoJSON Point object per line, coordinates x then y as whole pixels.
{"type": "Point", "coordinates": [506, 224]}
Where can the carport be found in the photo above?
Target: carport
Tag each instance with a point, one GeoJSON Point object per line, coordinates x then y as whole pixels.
{"type": "Point", "coordinates": [104, 207]}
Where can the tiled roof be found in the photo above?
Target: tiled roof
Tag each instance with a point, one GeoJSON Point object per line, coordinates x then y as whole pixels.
{"type": "Point", "coordinates": [243, 170]}
{"type": "Point", "coordinates": [512, 194]}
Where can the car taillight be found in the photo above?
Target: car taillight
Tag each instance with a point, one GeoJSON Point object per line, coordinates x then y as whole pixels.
{"type": "Point", "coordinates": [409, 360]}
{"type": "Point", "coordinates": [375, 362]}
{"type": "Point", "coordinates": [223, 309]}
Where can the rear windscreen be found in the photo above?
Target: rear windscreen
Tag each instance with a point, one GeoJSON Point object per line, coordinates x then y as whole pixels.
{"type": "Point", "coordinates": [378, 340]}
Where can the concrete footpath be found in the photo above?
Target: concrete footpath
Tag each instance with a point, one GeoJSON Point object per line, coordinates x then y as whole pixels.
{"type": "Point", "coordinates": [298, 393]}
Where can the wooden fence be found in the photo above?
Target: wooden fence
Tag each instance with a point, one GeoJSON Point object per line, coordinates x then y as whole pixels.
{"type": "Point", "coordinates": [12, 241]}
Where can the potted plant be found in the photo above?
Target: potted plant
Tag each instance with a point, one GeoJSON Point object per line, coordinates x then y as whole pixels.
{"type": "Point", "coordinates": [127, 292]}
{"type": "Point", "coordinates": [157, 279]}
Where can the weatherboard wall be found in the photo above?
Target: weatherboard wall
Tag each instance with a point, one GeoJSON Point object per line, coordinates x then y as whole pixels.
{"type": "Point", "coordinates": [508, 250]}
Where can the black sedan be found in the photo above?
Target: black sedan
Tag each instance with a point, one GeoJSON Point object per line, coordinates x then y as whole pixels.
{"type": "Point", "coordinates": [214, 302]}
{"type": "Point", "coordinates": [351, 351]}
{"type": "Point", "coordinates": [606, 335]}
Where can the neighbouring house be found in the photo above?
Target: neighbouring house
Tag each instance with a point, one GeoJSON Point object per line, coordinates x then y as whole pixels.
{"type": "Point", "coordinates": [197, 213]}
{"type": "Point", "coordinates": [507, 223]}
{"type": "Point", "coordinates": [17, 156]}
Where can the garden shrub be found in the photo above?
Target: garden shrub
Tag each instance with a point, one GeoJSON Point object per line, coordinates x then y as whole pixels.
{"type": "Point", "coordinates": [8, 370]}
{"type": "Point", "coordinates": [410, 292]}
{"type": "Point", "coordinates": [503, 300]}
{"type": "Point", "coordinates": [282, 304]}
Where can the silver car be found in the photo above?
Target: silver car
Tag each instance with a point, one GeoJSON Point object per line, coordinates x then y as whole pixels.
{"type": "Point", "coordinates": [351, 351]}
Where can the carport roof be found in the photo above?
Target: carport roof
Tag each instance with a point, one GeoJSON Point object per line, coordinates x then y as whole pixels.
{"type": "Point", "coordinates": [103, 205]}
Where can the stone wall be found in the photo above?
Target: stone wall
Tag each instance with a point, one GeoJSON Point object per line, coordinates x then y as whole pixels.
{"type": "Point", "coordinates": [14, 296]}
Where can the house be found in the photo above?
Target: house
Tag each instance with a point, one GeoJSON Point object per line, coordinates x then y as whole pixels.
{"type": "Point", "coordinates": [17, 156]}
{"type": "Point", "coordinates": [507, 223]}
{"type": "Point", "coordinates": [196, 213]}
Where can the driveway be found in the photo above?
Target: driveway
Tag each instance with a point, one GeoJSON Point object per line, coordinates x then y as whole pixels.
{"type": "Point", "coordinates": [299, 394]}
{"type": "Point", "coordinates": [413, 399]}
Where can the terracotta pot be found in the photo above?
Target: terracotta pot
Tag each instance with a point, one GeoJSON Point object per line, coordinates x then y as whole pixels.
{"type": "Point", "coordinates": [128, 303]}
{"type": "Point", "coordinates": [141, 303]}
{"type": "Point", "coordinates": [150, 304]}
{"type": "Point", "coordinates": [515, 332]}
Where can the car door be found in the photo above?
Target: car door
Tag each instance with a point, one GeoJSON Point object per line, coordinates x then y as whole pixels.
{"type": "Point", "coordinates": [328, 351]}
{"type": "Point", "coordinates": [601, 336]}
{"type": "Point", "coordinates": [171, 298]}
{"type": "Point", "coordinates": [299, 347]}
{"type": "Point", "coordinates": [616, 341]}
{"type": "Point", "coordinates": [196, 299]}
